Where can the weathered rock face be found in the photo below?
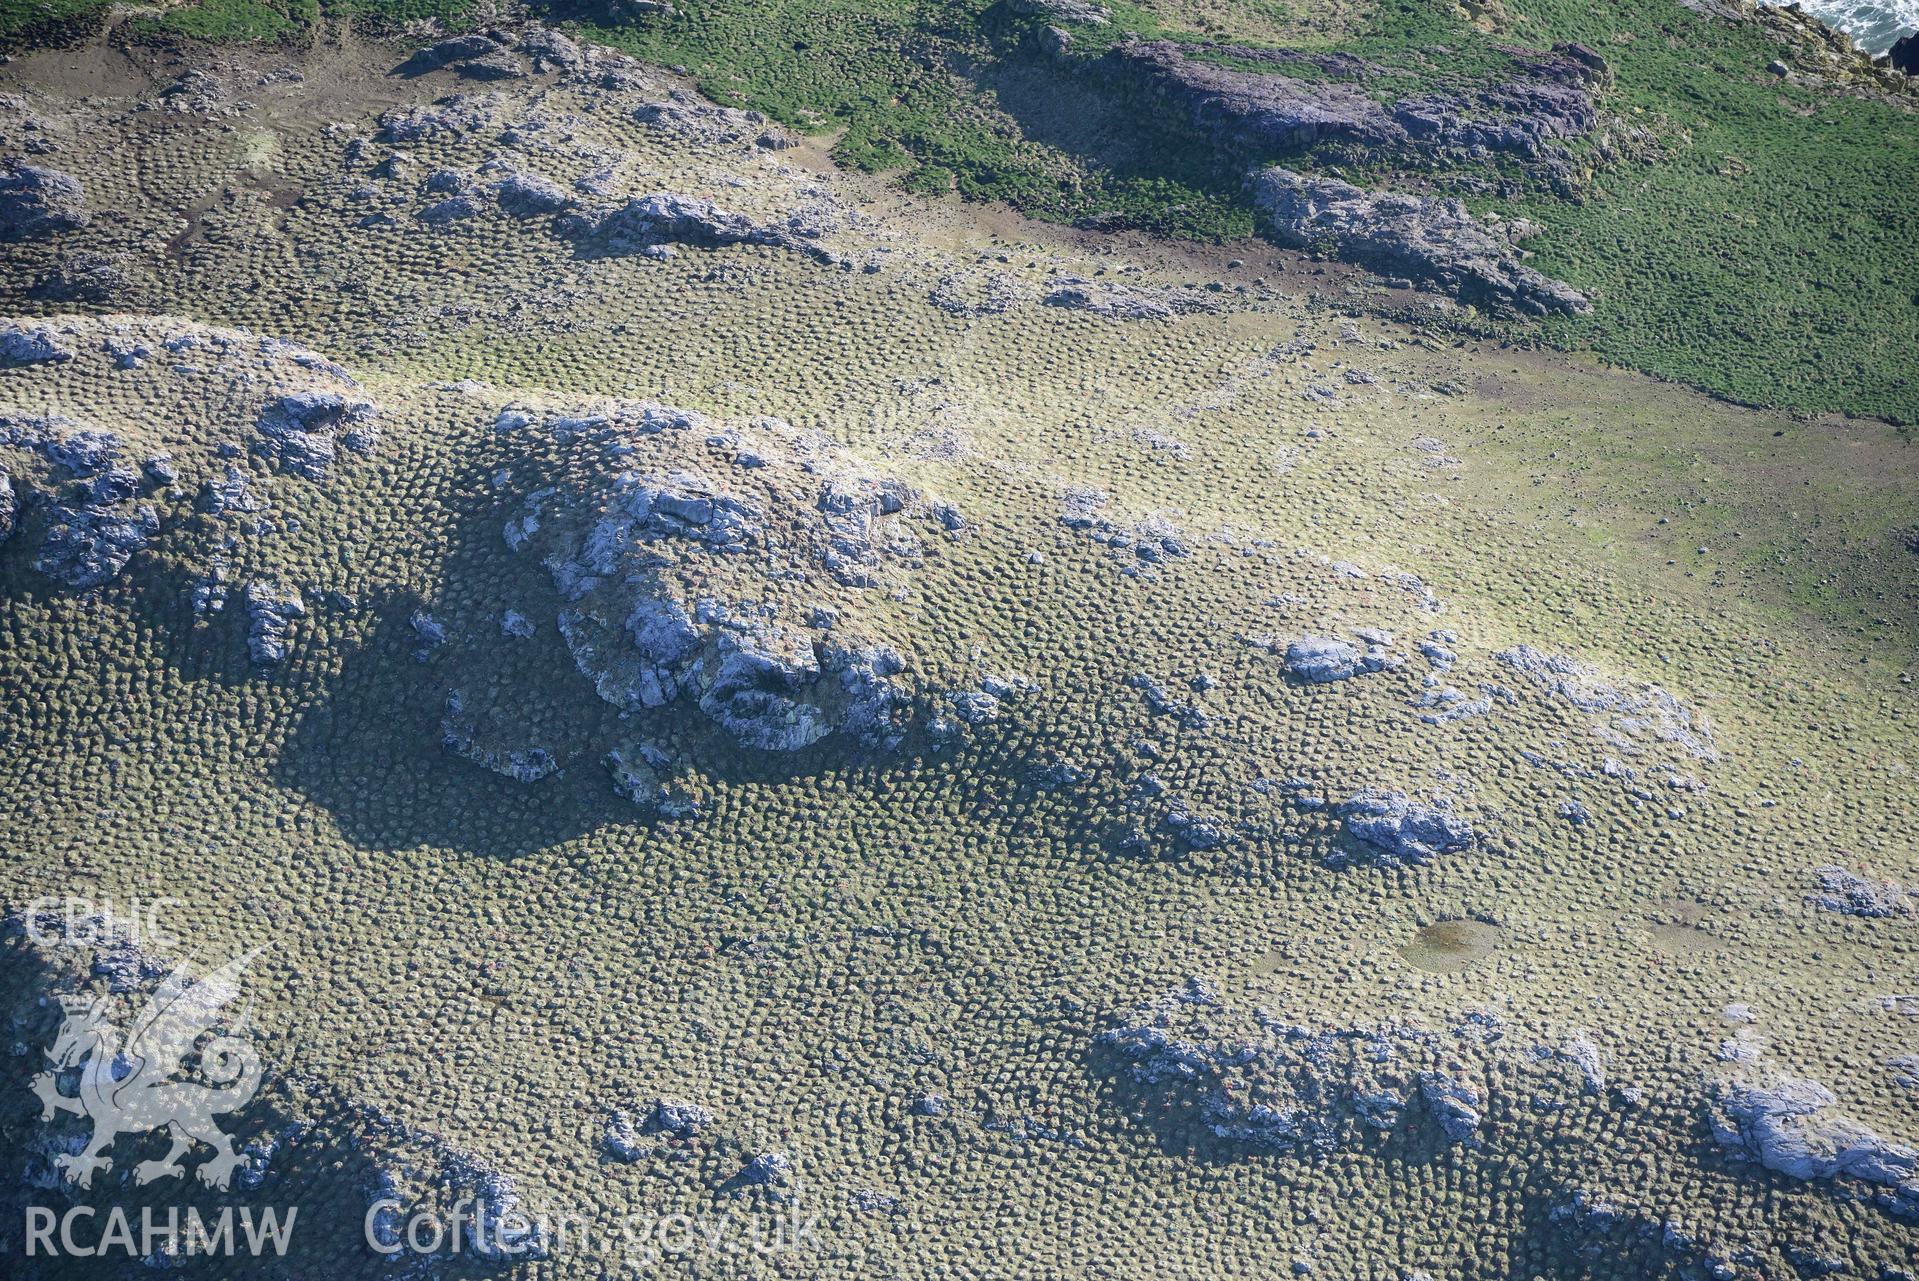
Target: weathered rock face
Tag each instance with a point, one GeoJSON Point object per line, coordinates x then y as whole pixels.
{"type": "Point", "coordinates": [1257, 1083]}
{"type": "Point", "coordinates": [1394, 830]}
{"type": "Point", "coordinates": [9, 505]}
{"type": "Point", "coordinates": [1320, 660]}
{"type": "Point", "coordinates": [271, 609]}
{"type": "Point", "coordinates": [94, 526]}
{"type": "Point", "coordinates": [22, 345]}
{"type": "Point", "coordinates": [1630, 714]}
{"type": "Point", "coordinates": [647, 223]}
{"type": "Point", "coordinates": [1427, 237]}
{"type": "Point", "coordinates": [1252, 109]}
{"type": "Point", "coordinates": [1793, 1125]}
{"type": "Point", "coordinates": [36, 202]}
{"type": "Point", "coordinates": [1904, 55]}
{"type": "Point", "coordinates": [1083, 11]}
{"type": "Point", "coordinates": [732, 569]}
{"type": "Point", "coordinates": [299, 430]}
{"type": "Point", "coordinates": [1549, 97]}
{"type": "Point", "coordinates": [1847, 892]}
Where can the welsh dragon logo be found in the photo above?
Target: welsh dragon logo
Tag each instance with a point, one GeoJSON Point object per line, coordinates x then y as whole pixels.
{"type": "Point", "coordinates": [130, 1085]}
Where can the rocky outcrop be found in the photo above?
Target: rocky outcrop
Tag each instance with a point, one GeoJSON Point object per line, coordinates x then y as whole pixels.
{"type": "Point", "coordinates": [527, 195]}
{"type": "Point", "coordinates": [1630, 714]}
{"type": "Point", "coordinates": [1126, 302]}
{"type": "Point", "coordinates": [1200, 1071]}
{"type": "Point", "coordinates": [1080, 11]}
{"type": "Point", "coordinates": [1794, 1126]}
{"type": "Point", "coordinates": [452, 116]}
{"type": "Point", "coordinates": [647, 224]}
{"type": "Point", "coordinates": [1849, 893]}
{"type": "Point", "coordinates": [9, 505]}
{"type": "Point", "coordinates": [1427, 237]}
{"type": "Point", "coordinates": [1546, 97]}
{"type": "Point", "coordinates": [1904, 55]}
{"type": "Point", "coordinates": [37, 202]}
{"type": "Point", "coordinates": [93, 522]}
{"type": "Point", "coordinates": [733, 570]}
{"type": "Point", "coordinates": [22, 345]}
{"type": "Point", "coordinates": [658, 785]}
{"type": "Point", "coordinates": [1393, 830]}
{"type": "Point", "coordinates": [1255, 110]}
{"type": "Point", "coordinates": [299, 430]}
{"type": "Point", "coordinates": [271, 609]}
{"type": "Point", "coordinates": [1319, 660]}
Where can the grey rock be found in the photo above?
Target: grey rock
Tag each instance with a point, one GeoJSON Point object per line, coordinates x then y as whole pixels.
{"type": "Point", "coordinates": [1427, 237]}
{"type": "Point", "coordinates": [1125, 302]}
{"type": "Point", "coordinates": [622, 1140]}
{"type": "Point", "coordinates": [526, 195]}
{"type": "Point", "coordinates": [664, 218]}
{"type": "Point", "coordinates": [9, 506]}
{"type": "Point", "coordinates": [1081, 11]}
{"type": "Point", "coordinates": [451, 210]}
{"type": "Point", "coordinates": [231, 494]}
{"type": "Point", "coordinates": [452, 116]}
{"type": "Point", "coordinates": [1455, 1104]}
{"type": "Point", "coordinates": [1793, 1126]}
{"type": "Point", "coordinates": [544, 44]}
{"type": "Point", "coordinates": [271, 609]}
{"type": "Point", "coordinates": [298, 430]}
{"type": "Point", "coordinates": [680, 1120]}
{"type": "Point", "coordinates": [1255, 110]}
{"type": "Point", "coordinates": [22, 345]}
{"type": "Point", "coordinates": [767, 1169]}
{"type": "Point", "coordinates": [445, 52]}
{"type": "Point", "coordinates": [702, 122]}
{"type": "Point", "coordinates": [88, 545]}
{"type": "Point", "coordinates": [1257, 1083]}
{"type": "Point", "coordinates": [1322, 659]}
{"type": "Point", "coordinates": [1396, 830]}
{"type": "Point", "coordinates": [654, 782]}
{"type": "Point", "coordinates": [37, 202]}
{"type": "Point", "coordinates": [494, 66]}
{"type": "Point", "coordinates": [1845, 891]}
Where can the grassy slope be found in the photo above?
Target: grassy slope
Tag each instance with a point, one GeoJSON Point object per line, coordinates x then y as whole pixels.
{"type": "Point", "coordinates": [1766, 255]}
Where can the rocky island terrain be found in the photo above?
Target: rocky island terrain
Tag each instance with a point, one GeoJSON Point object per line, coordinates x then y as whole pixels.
{"type": "Point", "coordinates": [1188, 640]}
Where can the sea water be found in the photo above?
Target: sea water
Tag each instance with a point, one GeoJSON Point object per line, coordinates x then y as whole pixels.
{"type": "Point", "coordinates": [1873, 24]}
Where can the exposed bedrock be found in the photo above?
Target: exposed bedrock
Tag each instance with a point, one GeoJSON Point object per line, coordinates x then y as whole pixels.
{"type": "Point", "coordinates": [37, 202]}
{"type": "Point", "coordinates": [746, 572]}
{"type": "Point", "coordinates": [1548, 97]}
{"type": "Point", "coordinates": [1431, 238]}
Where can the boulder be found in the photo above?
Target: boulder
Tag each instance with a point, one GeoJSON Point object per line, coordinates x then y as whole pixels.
{"type": "Point", "coordinates": [1398, 831]}
{"type": "Point", "coordinates": [1320, 660]}
{"type": "Point", "coordinates": [9, 506]}
{"type": "Point", "coordinates": [1847, 892]}
{"type": "Point", "coordinates": [37, 202]}
{"type": "Point", "coordinates": [1427, 237]}
{"type": "Point", "coordinates": [271, 608]}
{"type": "Point", "coordinates": [22, 345]}
{"type": "Point", "coordinates": [1904, 54]}
{"type": "Point", "coordinates": [1794, 1126]}
{"type": "Point", "coordinates": [298, 430]}
{"type": "Point", "coordinates": [526, 195]}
